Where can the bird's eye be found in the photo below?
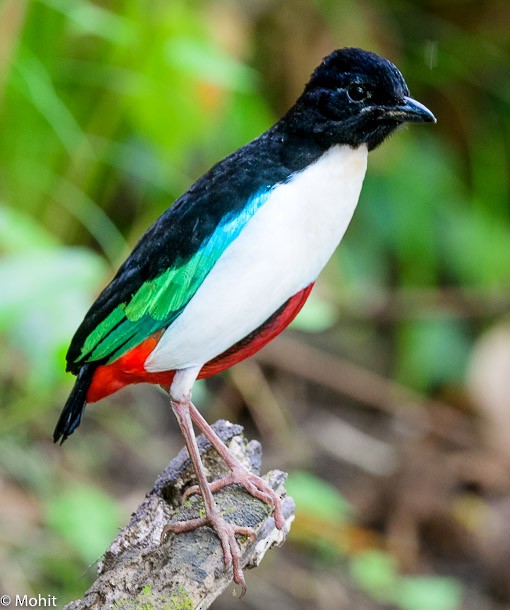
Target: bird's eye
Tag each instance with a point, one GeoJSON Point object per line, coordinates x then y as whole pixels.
{"type": "Point", "coordinates": [357, 93]}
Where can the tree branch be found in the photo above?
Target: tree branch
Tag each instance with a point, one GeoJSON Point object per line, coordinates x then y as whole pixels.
{"type": "Point", "coordinates": [187, 571]}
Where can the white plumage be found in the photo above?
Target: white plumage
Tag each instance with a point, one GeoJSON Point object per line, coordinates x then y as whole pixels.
{"type": "Point", "coordinates": [281, 250]}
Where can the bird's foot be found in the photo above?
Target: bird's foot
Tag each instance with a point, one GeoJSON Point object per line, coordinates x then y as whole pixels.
{"type": "Point", "coordinates": [225, 531]}
{"type": "Point", "coordinates": [186, 412]}
{"type": "Point", "coordinates": [256, 486]}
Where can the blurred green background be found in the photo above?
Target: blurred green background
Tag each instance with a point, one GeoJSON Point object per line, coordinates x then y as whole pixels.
{"type": "Point", "coordinates": [388, 400]}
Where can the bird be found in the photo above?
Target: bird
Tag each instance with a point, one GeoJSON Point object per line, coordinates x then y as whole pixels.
{"type": "Point", "coordinates": [230, 264]}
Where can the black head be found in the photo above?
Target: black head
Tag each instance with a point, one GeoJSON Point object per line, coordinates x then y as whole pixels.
{"type": "Point", "coordinates": [356, 97]}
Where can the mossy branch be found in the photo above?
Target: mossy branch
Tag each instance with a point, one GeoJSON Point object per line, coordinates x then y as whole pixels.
{"type": "Point", "coordinates": [187, 571]}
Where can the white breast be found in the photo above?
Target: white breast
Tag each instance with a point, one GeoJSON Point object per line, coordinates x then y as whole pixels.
{"type": "Point", "coordinates": [281, 250]}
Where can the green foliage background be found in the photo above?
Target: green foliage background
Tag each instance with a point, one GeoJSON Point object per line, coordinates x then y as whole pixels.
{"type": "Point", "coordinates": [110, 110]}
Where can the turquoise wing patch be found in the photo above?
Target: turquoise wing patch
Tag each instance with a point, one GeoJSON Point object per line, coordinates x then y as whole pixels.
{"type": "Point", "coordinates": [158, 302]}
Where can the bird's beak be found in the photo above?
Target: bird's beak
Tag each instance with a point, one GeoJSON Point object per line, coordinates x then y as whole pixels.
{"type": "Point", "coordinates": [410, 111]}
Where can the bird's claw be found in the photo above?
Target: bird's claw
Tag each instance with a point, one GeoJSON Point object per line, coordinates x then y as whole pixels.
{"type": "Point", "coordinates": [254, 485]}
{"type": "Point", "coordinates": [226, 532]}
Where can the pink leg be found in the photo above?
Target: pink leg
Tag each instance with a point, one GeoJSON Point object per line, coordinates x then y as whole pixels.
{"type": "Point", "coordinates": [225, 531]}
{"type": "Point", "coordinates": [255, 485]}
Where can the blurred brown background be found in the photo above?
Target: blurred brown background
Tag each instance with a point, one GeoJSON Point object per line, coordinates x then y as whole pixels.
{"type": "Point", "coordinates": [387, 401]}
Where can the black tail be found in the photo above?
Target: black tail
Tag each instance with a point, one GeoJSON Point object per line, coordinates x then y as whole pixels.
{"type": "Point", "coordinates": [70, 417]}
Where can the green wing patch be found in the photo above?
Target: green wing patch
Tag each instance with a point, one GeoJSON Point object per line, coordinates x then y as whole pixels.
{"type": "Point", "coordinates": [158, 302]}
{"type": "Point", "coordinates": [155, 305]}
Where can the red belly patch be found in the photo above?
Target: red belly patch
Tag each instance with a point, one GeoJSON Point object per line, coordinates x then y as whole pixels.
{"type": "Point", "coordinates": [129, 368]}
